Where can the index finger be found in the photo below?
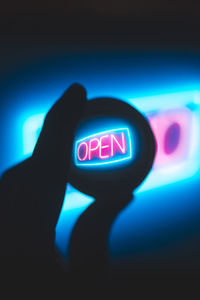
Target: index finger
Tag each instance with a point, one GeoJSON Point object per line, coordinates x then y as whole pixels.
{"type": "Point", "coordinates": [53, 148]}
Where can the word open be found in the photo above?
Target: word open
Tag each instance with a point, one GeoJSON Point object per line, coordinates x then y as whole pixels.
{"type": "Point", "coordinates": [105, 147]}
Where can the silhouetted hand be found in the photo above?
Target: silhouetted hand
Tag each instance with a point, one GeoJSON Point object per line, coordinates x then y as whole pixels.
{"type": "Point", "coordinates": [32, 193]}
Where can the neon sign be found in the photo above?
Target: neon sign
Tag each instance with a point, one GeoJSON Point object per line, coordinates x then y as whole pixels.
{"type": "Point", "coordinates": [102, 148]}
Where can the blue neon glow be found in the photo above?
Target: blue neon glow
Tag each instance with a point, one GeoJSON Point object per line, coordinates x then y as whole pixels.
{"type": "Point", "coordinates": [165, 201]}
{"type": "Point", "coordinates": [113, 160]}
{"type": "Point", "coordinates": [73, 206]}
{"type": "Point", "coordinates": [75, 202]}
{"type": "Point", "coordinates": [159, 176]}
{"type": "Point", "coordinates": [31, 129]}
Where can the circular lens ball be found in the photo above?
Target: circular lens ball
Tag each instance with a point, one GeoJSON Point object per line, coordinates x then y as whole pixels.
{"type": "Point", "coordinates": [113, 149]}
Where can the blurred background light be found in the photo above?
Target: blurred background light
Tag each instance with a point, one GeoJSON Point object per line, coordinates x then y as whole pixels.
{"type": "Point", "coordinates": [165, 88]}
{"type": "Point", "coordinates": [182, 162]}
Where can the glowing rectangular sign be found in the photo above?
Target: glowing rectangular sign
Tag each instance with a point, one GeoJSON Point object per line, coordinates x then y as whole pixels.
{"type": "Point", "coordinates": [102, 148]}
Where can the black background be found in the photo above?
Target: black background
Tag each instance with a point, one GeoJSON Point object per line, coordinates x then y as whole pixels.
{"type": "Point", "coordinates": [29, 28]}
{"type": "Point", "coordinates": [100, 24]}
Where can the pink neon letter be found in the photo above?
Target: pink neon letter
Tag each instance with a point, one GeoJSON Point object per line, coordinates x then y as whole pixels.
{"type": "Point", "coordinates": [93, 149]}
{"type": "Point", "coordinates": [122, 148]}
{"type": "Point", "coordinates": [86, 151]}
{"type": "Point", "coordinates": [103, 147]}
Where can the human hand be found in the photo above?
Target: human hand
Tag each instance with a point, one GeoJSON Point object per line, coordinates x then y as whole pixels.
{"type": "Point", "coordinates": [32, 193]}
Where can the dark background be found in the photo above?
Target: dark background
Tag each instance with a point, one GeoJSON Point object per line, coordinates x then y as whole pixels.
{"type": "Point", "coordinates": [103, 23]}
{"type": "Point", "coordinates": [32, 30]}
{"type": "Point", "coordinates": [29, 28]}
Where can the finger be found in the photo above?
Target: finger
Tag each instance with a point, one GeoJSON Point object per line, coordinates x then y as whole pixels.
{"type": "Point", "coordinates": [53, 148]}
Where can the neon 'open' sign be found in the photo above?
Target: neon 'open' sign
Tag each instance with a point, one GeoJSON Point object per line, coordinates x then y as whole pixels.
{"type": "Point", "coordinates": [102, 148]}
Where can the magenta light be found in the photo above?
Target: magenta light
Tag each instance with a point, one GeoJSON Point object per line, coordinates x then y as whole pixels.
{"type": "Point", "coordinates": [172, 130]}
{"type": "Point", "coordinates": [104, 147]}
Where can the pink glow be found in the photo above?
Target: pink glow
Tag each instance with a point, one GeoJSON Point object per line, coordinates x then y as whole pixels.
{"type": "Point", "coordinates": [102, 147]}
{"type": "Point", "coordinates": [95, 148]}
{"type": "Point", "coordinates": [86, 151]}
{"type": "Point", "coordinates": [161, 125]}
{"type": "Point", "coordinates": [121, 148]}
